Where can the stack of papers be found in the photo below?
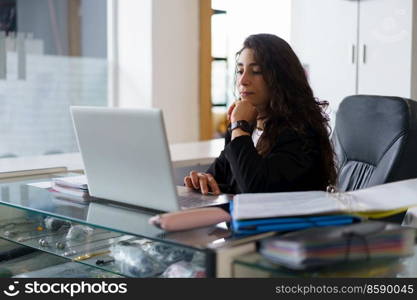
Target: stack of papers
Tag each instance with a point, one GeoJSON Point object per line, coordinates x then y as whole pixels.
{"type": "Point", "coordinates": [70, 188]}
{"type": "Point", "coordinates": [76, 182]}
{"type": "Point", "coordinates": [327, 245]}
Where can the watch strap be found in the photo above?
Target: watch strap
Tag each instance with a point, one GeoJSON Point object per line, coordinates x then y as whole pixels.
{"type": "Point", "coordinates": [242, 124]}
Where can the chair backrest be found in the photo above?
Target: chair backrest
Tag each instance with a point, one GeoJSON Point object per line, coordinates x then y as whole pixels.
{"type": "Point", "coordinates": [375, 140]}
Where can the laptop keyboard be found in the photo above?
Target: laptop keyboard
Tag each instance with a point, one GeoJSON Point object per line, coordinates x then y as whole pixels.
{"type": "Point", "coordinates": [191, 199]}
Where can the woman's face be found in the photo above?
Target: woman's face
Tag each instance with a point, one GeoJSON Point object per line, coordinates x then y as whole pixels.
{"type": "Point", "coordinates": [250, 80]}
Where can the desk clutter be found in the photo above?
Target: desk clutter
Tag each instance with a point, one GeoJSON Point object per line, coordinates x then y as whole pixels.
{"type": "Point", "coordinates": [144, 258]}
{"type": "Point", "coordinates": [317, 228]}
{"type": "Point", "coordinates": [314, 229]}
{"type": "Point", "coordinates": [369, 202]}
{"type": "Point", "coordinates": [256, 213]}
{"type": "Point", "coordinates": [75, 182]}
{"type": "Point", "coordinates": [103, 253]}
{"type": "Point", "coordinates": [38, 264]}
{"type": "Point", "coordinates": [71, 188]}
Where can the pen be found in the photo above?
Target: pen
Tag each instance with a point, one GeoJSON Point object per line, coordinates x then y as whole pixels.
{"type": "Point", "coordinates": [90, 255]}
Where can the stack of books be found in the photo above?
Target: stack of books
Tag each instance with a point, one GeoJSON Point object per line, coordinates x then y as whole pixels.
{"type": "Point", "coordinates": [328, 245]}
{"type": "Point", "coordinates": [71, 188]}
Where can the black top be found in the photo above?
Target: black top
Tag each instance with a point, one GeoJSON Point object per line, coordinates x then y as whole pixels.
{"type": "Point", "coordinates": [293, 164]}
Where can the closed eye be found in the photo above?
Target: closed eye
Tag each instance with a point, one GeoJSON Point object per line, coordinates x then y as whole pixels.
{"type": "Point", "coordinates": [240, 72]}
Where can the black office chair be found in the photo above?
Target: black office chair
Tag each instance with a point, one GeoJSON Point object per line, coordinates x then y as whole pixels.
{"type": "Point", "coordinates": [375, 140]}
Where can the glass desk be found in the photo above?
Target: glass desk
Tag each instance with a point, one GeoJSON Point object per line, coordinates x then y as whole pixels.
{"type": "Point", "coordinates": [94, 237]}
{"type": "Point", "coordinates": [87, 233]}
{"type": "Point", "coordinates": [255, 265]}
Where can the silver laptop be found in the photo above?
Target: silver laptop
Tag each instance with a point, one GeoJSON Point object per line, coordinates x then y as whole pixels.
{"type": "Point", "coordinates": [126, 159]}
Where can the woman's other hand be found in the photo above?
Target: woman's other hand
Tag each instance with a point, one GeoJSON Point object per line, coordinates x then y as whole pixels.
{"type": "Point", "coordinates": [242, 110]}
{"type": "Point", "coordinates": [204, 182]}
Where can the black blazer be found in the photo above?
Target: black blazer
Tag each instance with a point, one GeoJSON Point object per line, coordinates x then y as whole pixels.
{"type": "Point", "coordinates": [293, 164]}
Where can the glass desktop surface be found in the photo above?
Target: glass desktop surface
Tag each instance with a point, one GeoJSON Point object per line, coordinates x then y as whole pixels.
{"type": "Point", "coordinates": [253, 264]}
{"type": "Point", "coordinates": [104, 214]}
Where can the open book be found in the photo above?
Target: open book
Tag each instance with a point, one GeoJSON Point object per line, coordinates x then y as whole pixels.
{"type": "Point", "coordinates": [388, 197]}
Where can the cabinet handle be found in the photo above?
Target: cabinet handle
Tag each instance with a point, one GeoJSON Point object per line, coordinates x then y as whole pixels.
{"type": "Point", "coordinates": [353, 53]}
{"type": "Point", "coordinates": [364, 54]}
{"type": "Point", "coordinates": [3, 58]}
{"type": "Point", "coordinates": [21, 56]}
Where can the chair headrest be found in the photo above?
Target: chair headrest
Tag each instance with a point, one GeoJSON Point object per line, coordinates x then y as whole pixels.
{"type": "Point", "coordinates": [367, 125]}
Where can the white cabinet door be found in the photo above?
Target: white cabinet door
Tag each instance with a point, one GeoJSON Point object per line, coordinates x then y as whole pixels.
{"type": "Point", "coordinates": [324, 36]}
{"type": "Point", "coordinates": [385, 47]}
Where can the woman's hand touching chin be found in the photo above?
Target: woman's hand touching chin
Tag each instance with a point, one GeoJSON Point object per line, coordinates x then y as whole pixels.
{"type": "Point", "coordinates": [242, 110]}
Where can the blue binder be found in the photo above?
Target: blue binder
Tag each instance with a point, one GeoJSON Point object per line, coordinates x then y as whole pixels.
{"type": "Point", "coordinates": [288, 224]}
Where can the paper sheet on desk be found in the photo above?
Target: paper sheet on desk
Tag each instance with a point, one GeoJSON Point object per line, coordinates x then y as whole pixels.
{"type": "Point", "coordinates": [42, 185]}
{"type": "Point", "coordinates": [385, 197]}
{"type": "Point", "coordinates": [252, 206]}
{"type": "Point", "coordinates": [380, 198]}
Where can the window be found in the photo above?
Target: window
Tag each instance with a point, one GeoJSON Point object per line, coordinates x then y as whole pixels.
{"type": "Point", "coordinates": [53, 54]}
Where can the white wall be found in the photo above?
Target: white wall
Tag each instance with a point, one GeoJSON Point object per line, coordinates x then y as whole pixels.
{"type": "Point", "coordinates": [248, 17]}
{"type": "Point", "coordinates": [134, 53]}
{"type": "Point", "coordinates": [158, 61]}
{"type": "Point", "coordinates": [175, 40]}
{"type": "Point", "coordinates": [333, 53]}
{"type": "Point", "coordinates": [325, 49]}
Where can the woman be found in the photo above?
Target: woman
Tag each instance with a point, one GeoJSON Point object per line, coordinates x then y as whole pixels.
{"type": "Point", "coordinates": [279, 137]}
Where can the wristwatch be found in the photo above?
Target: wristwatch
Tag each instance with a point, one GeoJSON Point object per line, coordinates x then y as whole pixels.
{"type": "Point", "coordinates": [242, 124]}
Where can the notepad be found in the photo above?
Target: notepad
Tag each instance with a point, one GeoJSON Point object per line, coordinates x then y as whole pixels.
{"type": "Point", "coordinates": [390, 197]}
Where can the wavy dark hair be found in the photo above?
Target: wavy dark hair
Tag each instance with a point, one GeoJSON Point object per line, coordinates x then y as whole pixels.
{"type": "Point", "coordinates": [292, 104]}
